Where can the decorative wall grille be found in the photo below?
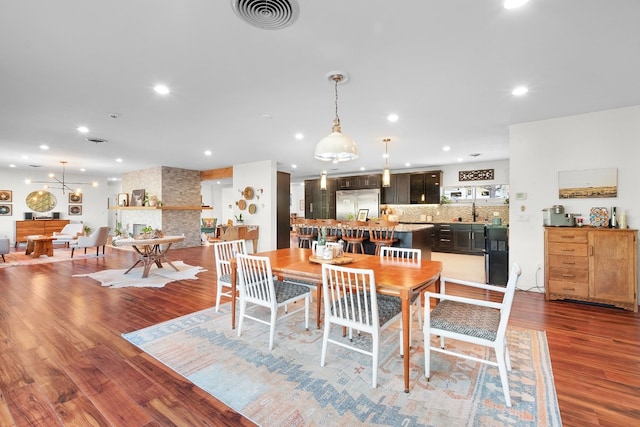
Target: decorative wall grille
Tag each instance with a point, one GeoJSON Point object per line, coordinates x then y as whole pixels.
{"type": "Point", "coordinates": [476, 175]}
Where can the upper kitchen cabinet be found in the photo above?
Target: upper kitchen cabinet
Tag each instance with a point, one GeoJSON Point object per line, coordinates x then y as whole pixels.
{"type": "Point", "coordinates": [398, 192]}
{"type": "Point", "coordinates": [425, 187]}
{"type": "Point", "coordinates": [359, 182]}
{"type": "Point", "coordinates": [318, 203]}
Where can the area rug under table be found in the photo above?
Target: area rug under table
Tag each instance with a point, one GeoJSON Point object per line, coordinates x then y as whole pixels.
{"type": "Point", "coordinates": [288, 387]}
{"type": "Point", "coordinates": [158, 277]}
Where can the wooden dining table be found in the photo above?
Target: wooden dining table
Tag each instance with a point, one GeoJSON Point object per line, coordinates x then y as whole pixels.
{"type": "Point", "coordinates": [151, 251]}
{"type": "Point", "coordinates": [398, 278]}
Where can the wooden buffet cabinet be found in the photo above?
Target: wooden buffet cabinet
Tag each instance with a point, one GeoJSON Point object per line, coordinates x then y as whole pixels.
{"type": "Point", "coordinates": [592, 264]}
{"type": "Point", "coordinates": [44, 227]}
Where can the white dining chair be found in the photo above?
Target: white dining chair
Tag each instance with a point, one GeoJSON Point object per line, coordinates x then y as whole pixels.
{"type": "Point", "coordinates": [258, 287]}
{"type": "Point", "coordinates": [474, 321]}
{"type": "Point", "coordinates": [351, 301]}
{"type": "Point", "coordinates": [224, 252]}
{"type": "Point", "coordinates": [408, 255]}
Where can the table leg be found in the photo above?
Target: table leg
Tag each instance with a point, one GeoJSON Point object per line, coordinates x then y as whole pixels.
{"type": "Point", "coordinates": [234, 267]}
{"type": "Point", "coordinates": [29, 249]}
{"type": "Point", "coordinates": [406, 325]}
{"type": "Point", "coordinates": [318, 304]}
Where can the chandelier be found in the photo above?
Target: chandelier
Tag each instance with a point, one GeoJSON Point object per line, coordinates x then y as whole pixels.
{"type": "Point", "coordinates": [60, 184]}
{"type": "Point", "coordinates": [336, 147]}
{"type": "Point", "coordinates": [386, 173]}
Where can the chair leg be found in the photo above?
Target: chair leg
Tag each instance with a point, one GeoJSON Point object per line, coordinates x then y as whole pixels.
{"type": "Point", "coordinates": [502, 368]}
{"type": "Point", "coordinates": [272, 326]}
{"type": "Point", "coordinates": [325, 341]}
{"type": "Point", "coordinates": [218, 296]}
{"type": "Point", "coordinates": [374, 356]}
{"type": "Point", "coordinates": [72, 249]}
{"type": "Point", "coordinates": [243, 307]}
{"type": "Point", "coordinates": [427, 354]}
{"type": "Point", "coordinates": [97, 250]}
{"type": "Point", "coordinates": [4, 260]}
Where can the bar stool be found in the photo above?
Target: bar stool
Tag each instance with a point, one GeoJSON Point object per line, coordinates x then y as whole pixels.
{"type": "Point", "coordinates": [306, 232]}
{"type": "Point", "coordinates": [333, 228]}
{"type": "Point", "coordinates": [353, 234]}
{"type": "Point", "coordinates": [381, 233]}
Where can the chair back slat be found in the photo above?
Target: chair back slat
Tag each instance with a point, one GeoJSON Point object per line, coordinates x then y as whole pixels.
{"type": "Point", "coordinates": [224, 252]}
{"type": "Point", "coordinates": [409, 255]}
{"type": "Point", "coordinates": [256, 279]}
{"type": "Point", "coordinates": [350, 297]}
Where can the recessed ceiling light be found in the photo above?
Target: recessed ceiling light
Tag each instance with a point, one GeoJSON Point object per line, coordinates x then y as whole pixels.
{"type": "Point", "coordinates": [294, 166]}
{"type": "Point", "coordinates": [161, 89]}
{"type": "Point", "coordinates": [82, 129]}
{"type": "Point", "coordinates": [83, 170]}
{"type": "Point", "coordinates": [12, 165]}
{"type": "Point", "coordinates": [299, 136]}
{"type": "Point", "coordinates": [208, 153]}
{"type": "Point", "coordinates": [362, 168]}
{"type": "Point", "coordinates": [446, 148]}
{"type": "Point", "coordinates": [520, 90]}
{"type": "Point", "coordinates": [119, 160]}
{"type": "Point", "coordinates": [513, 4]}
{"type": "Point", "coordinates": [392, 118]}
{"type": "Point", "coordinates": [267, 116]}
{"type": "Point", "coordinates": [44, 147]}
{"type": "Point", "coordinates": [460, 159]}
{"type": "Point", "coordinates": [407, 164]}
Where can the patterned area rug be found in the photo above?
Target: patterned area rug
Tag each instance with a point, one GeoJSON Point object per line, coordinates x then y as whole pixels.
{"type": "Point", "coordinates": [158, 277]}
{"type": "Point", "coordinates": [16, 258]}
{"type": "Point", "coordinates": [288, 387]}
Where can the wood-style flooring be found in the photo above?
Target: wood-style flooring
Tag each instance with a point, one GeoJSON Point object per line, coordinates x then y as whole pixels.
{"type": "Point", "coordinates": [63, 361]}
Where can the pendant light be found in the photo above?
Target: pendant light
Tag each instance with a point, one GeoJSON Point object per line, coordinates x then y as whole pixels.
{"type": "Point", "coordinates": [386, 173]}
{"type": "Point", "coordinates": [336, 147]}
{"type": "Point", "coordinates": [323, 180]}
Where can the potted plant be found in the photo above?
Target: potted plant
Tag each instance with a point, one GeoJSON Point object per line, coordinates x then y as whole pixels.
{"type": "Point", "coordinates": [322, 242]}
{"type": "Point", "coordinates": [239, 218]}
{"type": "Point", "coordinates": [87, 230]}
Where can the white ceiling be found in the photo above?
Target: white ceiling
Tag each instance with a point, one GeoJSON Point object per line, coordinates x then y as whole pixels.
{"type": "Point", "coordinates": [445, 67]}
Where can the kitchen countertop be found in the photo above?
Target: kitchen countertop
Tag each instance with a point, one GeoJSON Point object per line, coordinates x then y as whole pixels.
{"type": "Point", "coordinates": [450, 222]}
{"type": "Point", "coordinates": [404, 227]}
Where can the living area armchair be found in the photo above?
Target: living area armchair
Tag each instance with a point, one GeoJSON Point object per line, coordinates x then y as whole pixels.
{"type": "Point", "coordinates": [4, 247]}
{"type": "Point", "coordinates": [96, 239]}
{"type": "Point", "coordinates": [68, 233]}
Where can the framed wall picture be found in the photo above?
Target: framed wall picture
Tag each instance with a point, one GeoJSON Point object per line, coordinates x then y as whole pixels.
{"type": "Point", "coordinates": [137, 198]}
{"type": "Point", "coordinates": [75, 209]}
{"type": "Point", "coordinates": [123, 199]}
{"type": "Point", "coordinates": [6, 210]}
{"type": "Point", "coordinates": [75, 197]}
{"type": "Point", "coordinates": [6, 196]}
{"type": "Point", "coordinates": [362, 214]}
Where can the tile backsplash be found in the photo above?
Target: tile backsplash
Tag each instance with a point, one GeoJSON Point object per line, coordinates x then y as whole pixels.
{"type": "Point", "coordinates": [447, 213]}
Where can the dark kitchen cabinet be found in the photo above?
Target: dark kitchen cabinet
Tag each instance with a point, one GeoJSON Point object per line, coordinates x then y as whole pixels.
{"type": "Point", "coordinates": [445, 238]}
{"type": "Point", "coordinates": [359, 182]}
{"type": "Point", "coordinates": [319, 204]}
{"type": "Point", "coordinates": [468, 238]}
{"type": "Point", "coordinates": [425, 187]}
{"type": "Point", "coordinates": [398, 192]}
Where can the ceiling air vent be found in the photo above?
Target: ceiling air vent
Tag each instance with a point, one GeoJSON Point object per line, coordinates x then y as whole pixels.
{"type": "Point", "coordinates": [97, 140]}
{"type": "Point", "coordinates": [267, 14]}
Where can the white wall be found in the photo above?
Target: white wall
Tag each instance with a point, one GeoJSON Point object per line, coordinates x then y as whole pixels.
{"type": "Point", "coordinates": [94, 199]}
{"type": "Point", "coordinates": [539, 150]}
{"type": "Point", "coordinates": [262, 177]}
{"type": "Point", "coordinates": [297, 194]}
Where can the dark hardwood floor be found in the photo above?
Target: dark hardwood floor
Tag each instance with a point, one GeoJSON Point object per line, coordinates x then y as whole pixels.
{"type": "Point", "coordinates": [63, 361]}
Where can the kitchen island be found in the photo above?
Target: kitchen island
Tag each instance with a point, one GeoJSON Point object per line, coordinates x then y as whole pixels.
{"type": "Point", "coordinates": [416, 236]}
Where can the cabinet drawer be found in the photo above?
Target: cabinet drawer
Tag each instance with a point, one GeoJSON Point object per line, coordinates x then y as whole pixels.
{"type": "Point", "coordinates": [568, 288]}
{"type": "Point", "coordinates": [571, 249]}
{"type": "Point", "coordinates": [567, 261]}
{"type": "Point", "coordinates": [567, 236]}
{"type": "Point", "coordinates": [568, 275]}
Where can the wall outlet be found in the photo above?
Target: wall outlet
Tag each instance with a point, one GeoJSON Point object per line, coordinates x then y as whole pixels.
{"type": "Point", "coordinates": [496, 214]}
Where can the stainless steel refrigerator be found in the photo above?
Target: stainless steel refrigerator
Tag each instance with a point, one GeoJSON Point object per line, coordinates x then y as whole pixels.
{"type": "Point", "coordinates": [349, 203]}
